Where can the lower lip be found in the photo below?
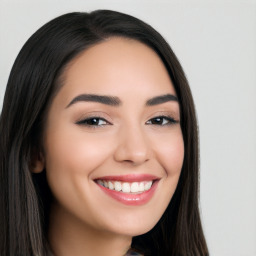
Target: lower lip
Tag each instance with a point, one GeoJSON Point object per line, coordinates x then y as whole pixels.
{"type": "Point", "coordinates": [131, 199]}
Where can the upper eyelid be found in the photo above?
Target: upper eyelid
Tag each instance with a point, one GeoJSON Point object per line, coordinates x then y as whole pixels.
{"type": "Point", "coordinates": [168, 114]}
{"type": "Point", "coordinates": [92, 117]}
{"type": "Point", "coordinates": [95, 114]}
{"type": "Point", "coordinates": [169, 118]}
{"type": "Point", "coordinates": [110, 119]}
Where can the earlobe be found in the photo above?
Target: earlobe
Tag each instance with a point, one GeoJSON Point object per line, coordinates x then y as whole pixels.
{"type": "Point", "coordinates": [38, 164]}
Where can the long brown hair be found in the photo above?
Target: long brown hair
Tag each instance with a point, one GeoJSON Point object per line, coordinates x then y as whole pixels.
{"type": "Point", "coordinates": [34, 81]}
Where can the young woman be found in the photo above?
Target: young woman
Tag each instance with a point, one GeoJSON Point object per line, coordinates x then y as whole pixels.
{"type": "Point", "coordinates": [98, 144]}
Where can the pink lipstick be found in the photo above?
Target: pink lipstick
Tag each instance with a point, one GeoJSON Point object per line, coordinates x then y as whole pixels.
{"type": "Point", "coordinates": [132, 189]}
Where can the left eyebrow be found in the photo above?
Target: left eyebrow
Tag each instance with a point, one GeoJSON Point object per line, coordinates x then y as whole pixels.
{"type": "Point", "coordinates": [107, 100]}
{"type": "Point", "coordinates": [161, 99]}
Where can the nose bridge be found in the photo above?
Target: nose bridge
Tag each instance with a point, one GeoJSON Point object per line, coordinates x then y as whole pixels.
{"type": "Point", "coordinates": [133, 144]}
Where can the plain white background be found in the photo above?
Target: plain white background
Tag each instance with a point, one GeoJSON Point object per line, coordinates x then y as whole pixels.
{"type": "Point", "coordinates": [215, 42]}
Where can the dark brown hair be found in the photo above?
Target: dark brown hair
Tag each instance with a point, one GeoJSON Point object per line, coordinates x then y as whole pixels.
{"type": "Point", "coordinates": [33, 82]}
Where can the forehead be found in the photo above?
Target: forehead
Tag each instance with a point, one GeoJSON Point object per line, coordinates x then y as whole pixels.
{"type": "Point", "coordinates": [117, 66]}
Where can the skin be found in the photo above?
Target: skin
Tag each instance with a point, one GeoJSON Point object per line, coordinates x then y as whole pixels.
{"type": "Point", "coordinates": [83, 216]}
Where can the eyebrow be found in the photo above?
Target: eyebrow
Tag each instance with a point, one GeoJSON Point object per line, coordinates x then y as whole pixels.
{"type": "Point", "coordinates": [161, 99]}
{"type": "Point", "coordinates": [115, 101]}
{"type": "Point", "coordinates": [107, 100]}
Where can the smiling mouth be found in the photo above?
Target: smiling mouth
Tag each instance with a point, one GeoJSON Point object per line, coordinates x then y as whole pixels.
{"type": "Point", "coordinates": [132, 189]}
{"type": "Point", "coordinates": [126, 187]}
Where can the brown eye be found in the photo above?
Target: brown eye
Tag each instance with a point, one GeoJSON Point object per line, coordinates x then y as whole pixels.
{"type": "Point", "coordinates": [161, 120]}
{"type": "Point", "coordinates": [93, 121]}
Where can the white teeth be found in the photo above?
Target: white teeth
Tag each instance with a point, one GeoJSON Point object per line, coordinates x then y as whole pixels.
{"type": "Point", "coordinates": [135, 187]}
{"type": "Point", "coordinates": [118, 186]}
{"type": "Point", "coordinates": [126, 187]}
{"type": "Point", "coordinates": [100, 182]}
{"type": "Point", "coordinates": [141, 187]}
{"type": "Point", "coordinates": [148, 185]}
{"type": "Point", "coordinates": [110, 185]}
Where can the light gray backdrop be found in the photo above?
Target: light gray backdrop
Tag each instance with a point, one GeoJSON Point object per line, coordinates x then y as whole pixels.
{"type": "Point", "coordinates": [216, 44]}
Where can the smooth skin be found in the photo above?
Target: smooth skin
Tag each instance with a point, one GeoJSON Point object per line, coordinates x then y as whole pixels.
{"type": "Point", "coordinates": [86, 140]}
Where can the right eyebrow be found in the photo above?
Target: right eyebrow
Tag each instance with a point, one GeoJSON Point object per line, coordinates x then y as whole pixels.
{"type": "Point", "coordinates": [161, 99]}
{"type": "Point", "coordinates": [107, 100]}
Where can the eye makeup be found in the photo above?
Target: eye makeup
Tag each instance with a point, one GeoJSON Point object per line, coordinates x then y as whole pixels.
{"type": "Point", "coordinates": [162, 121]}
{"type": "Point", "coordinates": [93, 121]}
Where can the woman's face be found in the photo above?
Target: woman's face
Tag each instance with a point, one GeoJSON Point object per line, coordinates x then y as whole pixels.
{"type": "Point", "coordinates": [113, 146]}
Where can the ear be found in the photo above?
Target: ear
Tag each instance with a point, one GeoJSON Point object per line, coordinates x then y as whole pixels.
{"type": "Point", "coordinates": [38, 163]}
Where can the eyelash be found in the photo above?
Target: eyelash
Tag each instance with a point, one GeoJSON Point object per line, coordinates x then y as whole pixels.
{"type": "Point", "coordinates": [94, 122]}
{"type": "Point", "coordinates": [168, 120]}
{"type": "Point", "coordinates": [96, 119]}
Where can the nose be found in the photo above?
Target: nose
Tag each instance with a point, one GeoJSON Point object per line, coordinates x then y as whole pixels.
{"type": "Point", "coordinates": [133, 146]}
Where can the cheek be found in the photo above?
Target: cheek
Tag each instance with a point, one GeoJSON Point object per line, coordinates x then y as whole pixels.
{"type": "Point", "coordinates": [170, 153]}
{"type": "Point", "coordinates": [71, 157]}
{"type": "Point", "coordinates": [70, 160]}
{"type": "Point", "coordinates": [75, 152]}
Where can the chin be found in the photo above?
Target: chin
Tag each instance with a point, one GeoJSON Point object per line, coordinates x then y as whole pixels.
{"type": "Point", "coordinates": [133, 225]}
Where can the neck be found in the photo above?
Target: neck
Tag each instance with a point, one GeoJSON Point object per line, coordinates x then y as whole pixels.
{"type": "Point", "coordinates": [70, 236]}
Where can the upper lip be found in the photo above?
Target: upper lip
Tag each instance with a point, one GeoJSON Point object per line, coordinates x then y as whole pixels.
{"type": "Point", "coordinates": [129, 177]}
